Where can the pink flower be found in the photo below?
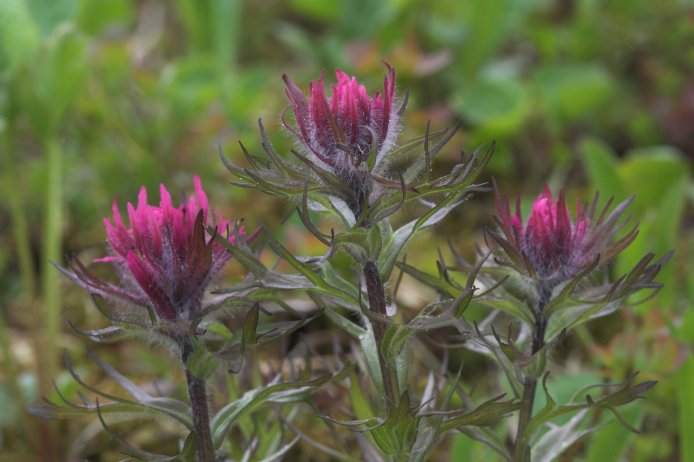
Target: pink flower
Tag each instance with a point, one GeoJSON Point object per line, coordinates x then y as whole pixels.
{"type": "Point", "coordinates": [553, 245]}
{"type": "Point", "coordinates": [165, 257]}
{"type": "Point", "coordinates": [350, 127]}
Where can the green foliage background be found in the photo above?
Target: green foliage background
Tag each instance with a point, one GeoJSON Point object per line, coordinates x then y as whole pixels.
{"type": "Point", "coordinates": [100, 97]}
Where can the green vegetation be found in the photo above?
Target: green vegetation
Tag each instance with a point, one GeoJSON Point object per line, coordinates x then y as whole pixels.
{"type": "Point", "coordinates": [100, 97]}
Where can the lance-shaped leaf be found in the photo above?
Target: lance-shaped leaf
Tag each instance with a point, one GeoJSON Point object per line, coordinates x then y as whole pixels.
{"type": "Point", "coordinates": [142, 405]}
{"type": "Point", "coordinates": [313, 276]}
{"type": "Point", "coordinates": [399, 431]}
{"type": "Point", "coordinates": [560, 437]}
{"type": "Point", "coordinates": [486, 414]}
{"type": "Point", "coordinates": [391, 249]}
{"type": "Point", "coordinates": [625, 393]}
{"type": "Point", "coordinates": [274, 393]}
{"type": "Point", "coordinates": [126, 448]}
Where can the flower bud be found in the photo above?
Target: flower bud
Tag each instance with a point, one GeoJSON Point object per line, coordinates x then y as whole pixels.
{"type": "Point", "coordinates": [349, 128]}
{"type": "Point", "coordinates": [553, 246]}
{"type": "Point", "coordinates": [165, 257]}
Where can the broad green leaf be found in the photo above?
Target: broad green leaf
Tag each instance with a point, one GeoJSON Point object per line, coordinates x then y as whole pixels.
{"type": "Point", "coordinates": [56, 80]}
{"type": "Point", "coordinates": [611, 442]}
{"type": "Point", "coordinates": [498, 106]}
{"type": "Point", "coordinates": [484, 25]}
{"type": "Point", "coordinates": [573, 90]}
{"type": "Point", "coordinates": [601, 165]}
{"type": "Point", "coordinates": [466, 448]}
{"type": "Point", "coordinates": [650, 172]}
{"type": "Point", "coordinates": [322, 11]}
{"type": "Point", "coordinates": [51, 15]}
{"type": "Point", "coordinates": [19, 35]}
{"type": "Point", "coordinates": [93, 17]}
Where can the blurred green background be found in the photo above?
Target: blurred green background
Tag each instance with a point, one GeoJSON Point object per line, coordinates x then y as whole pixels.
{"type": "Point", "coordinates": [98, 97]}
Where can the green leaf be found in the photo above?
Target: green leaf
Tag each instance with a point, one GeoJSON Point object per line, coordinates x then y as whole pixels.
{"type": "Point", "coordinates": [437, 283]}
{"type": "Point", "coordinates": [391, 249]}
{"type": "Point", "coordinates": [484, 26]}
{"type": "Point", "coordinates": [486, 414]}
{"type": "Point", "coordinates": [19, 35]}
{"type": "Point", "coordinates": [394, 341]}
{"type": "Point", "coordinates": [201, 363]}
{"type": "Point", "coordinates": [398, 432]}
{"type": "Point", "coordinates": [94, 17]}
{"type": "Point", "coordinates": [50, 15]}
{"type": "Point", "coordinates": [370, 350]}
{"type": "Point", "coordinates": [559, 438]}
{"type": "Point", "coordinates": [362, 408]}
{"type": "Point", "coordinates": [467, 448]}
{"type": "Point", "coordinates": [321, 11]}
{"type": "Point", "coordinates": [651, 172]}
{"type": "Point", "coordinates": [611, 442]}
{"type": "Point", "coordinates": [601, 165]}
{"type": "Point", "coordinates": [313, 276]}
{"type": "Point", "coordinates": [345, 324]}
{"type": "Point", "coordinates": [625, 393]}
{"type": "Point", "coordinates": [250, 325]}
{"type": "Point", "coordinates": [508, 305]}
{"type": "Point", "coordinates": [275, 393]}
{"type": "Point", "coordinates": [498, 106]}
{"type": "Point", "coordinates": [56, 80]}
{"type": "Point", "coordinates": [684, 383]}
{"type": "Point", "coordinates": [573, 90]}
{"type": "Point", "coordinates": [144, 404]}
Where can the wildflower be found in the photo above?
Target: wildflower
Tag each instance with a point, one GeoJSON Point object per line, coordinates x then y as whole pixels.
{"type": "Point", "coordinates": [165, 257]}
{"type": "Point", "coordinates": [350, 128]}
{"type": "Point", "coordinates": [555, 248]}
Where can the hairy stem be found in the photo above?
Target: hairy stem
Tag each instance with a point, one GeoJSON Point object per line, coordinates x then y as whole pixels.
{"type": "Point", "coordinates": [377, 304]}
{"type": "Point", "coordinates": [522, 449]}
{"type": "Point", "coordinates": [199, 406]}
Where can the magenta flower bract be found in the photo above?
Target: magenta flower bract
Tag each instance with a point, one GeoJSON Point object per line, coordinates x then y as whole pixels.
{"type": "Point", "coordinates": [165, 257]}
{"type": "Point", "coordinates": [348, 128]}
{"type": "Point", "coordinates": [556, 247]}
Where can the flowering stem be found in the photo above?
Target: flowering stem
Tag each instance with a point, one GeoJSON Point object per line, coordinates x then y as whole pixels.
{"type": "Point", "coordinates": [199, 407]}
{"type": "Point", "coordinates": [377, 304]}
{"type": "Point", "coordinates": [522, 450]}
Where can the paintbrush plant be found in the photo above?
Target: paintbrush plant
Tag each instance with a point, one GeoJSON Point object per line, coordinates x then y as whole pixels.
{"type": "Point", "coordinates": [539, 278]}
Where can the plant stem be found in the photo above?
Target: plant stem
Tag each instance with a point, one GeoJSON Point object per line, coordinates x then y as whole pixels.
{"type": "Point", "coordinates": [199, 406]}
{"type": "Point", "coordinates": [522, 449]}
{"type": "Point", "coordinates": [19, 221]}
{"type": "Point", "coordinates": [377, 304]}
{"type": "Point", "coordinates": [52, 249]}
{"type": "Point", "coordinates": [26, 271]}
{"type": "Point", "coordinates": [51, 298]}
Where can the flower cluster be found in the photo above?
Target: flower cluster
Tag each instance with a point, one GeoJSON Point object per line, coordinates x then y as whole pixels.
{"type": "Point", "coordinates": [348, 129]}
{"type": "Point", "coordinates": [552, 246]}
{"type": "Point", "coordinates": [166, 258]}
